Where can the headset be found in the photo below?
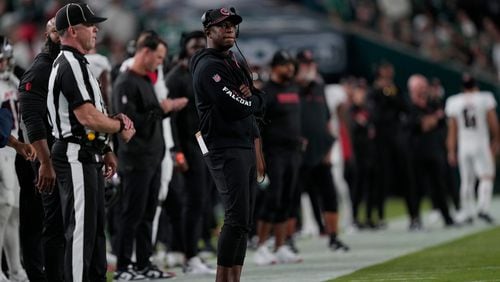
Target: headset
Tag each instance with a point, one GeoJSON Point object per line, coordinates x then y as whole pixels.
{"type": "Point", "coordinates": [205, 18]}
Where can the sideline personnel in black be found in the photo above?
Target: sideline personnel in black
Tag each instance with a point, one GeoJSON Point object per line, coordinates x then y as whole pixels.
{"type": "Point", "coordinates": [227, 104]}
{"type": "Point", "coordinates": [197, 185]}
{"type": "Point", "coordinates": [140, 160]}
{"type": "Point", "coordinates": [81, 127]}
{"type": "Point", "coordinates": [315, 171]}
{"type": "Point", "coordinates": [282, 143]}
{"type": "Point", "coordinates": [41, 227]}
{"type": "Point", "coordinates": [428, 155]}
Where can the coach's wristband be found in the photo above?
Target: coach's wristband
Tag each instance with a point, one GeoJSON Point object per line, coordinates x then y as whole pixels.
{"type": "Point", "coordinates": [122, 125]}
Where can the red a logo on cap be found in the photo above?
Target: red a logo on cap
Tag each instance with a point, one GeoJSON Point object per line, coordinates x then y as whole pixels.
{"type": "Point", "coordinates": [224, 12]}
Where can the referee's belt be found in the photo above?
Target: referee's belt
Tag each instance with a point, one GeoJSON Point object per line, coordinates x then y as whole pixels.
{"type": "Point", "coordinates": [97, 145]}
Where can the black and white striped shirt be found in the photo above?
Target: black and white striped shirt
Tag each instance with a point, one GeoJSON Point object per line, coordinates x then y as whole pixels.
{"type": "Point", "coordinates": [71, 84]}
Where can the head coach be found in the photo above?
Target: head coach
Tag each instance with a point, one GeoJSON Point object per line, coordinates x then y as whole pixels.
{"type": "Point", "coordinates": [227, 103]}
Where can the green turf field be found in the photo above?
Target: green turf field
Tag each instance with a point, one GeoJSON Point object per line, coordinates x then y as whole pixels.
{"type": "Point", "coordinates": [472, 258]}
{"type": "Point", "coordinates": [394, 208]}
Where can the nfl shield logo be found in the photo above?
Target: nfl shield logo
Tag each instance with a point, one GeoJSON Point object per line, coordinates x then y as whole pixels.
{"type": "Point", "coordinates": [216, 77]}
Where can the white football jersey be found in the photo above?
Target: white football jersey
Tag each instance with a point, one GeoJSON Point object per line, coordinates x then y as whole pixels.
{"type": "Point", "coordinates": [335, 96]}
{"type": "Point", "coordinates": [98, 64]}
{"type": "Point", "coordinates": [8, 100]}
{"type": "Point", "coordinates": [470, 111]}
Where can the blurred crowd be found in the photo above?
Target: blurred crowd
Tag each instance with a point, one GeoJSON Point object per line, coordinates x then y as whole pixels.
{"type": "Point", "coordinates": [464, 32]}
{"type": "Point", "coordinates": [459, 32]}
{"type": "Point", "coordinates": [23, 22]}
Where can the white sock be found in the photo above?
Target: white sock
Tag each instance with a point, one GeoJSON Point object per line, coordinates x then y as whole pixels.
{"type": "Point", "coordinates": [485, 191]}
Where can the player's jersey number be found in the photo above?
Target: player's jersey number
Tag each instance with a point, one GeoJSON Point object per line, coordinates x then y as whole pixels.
{"type": "Point", "coordinates": [469, 118]}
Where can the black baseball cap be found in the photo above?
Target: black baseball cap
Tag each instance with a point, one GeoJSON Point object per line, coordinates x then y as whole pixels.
{"type": "Point", "coordinates": [215, 16]}
{"type": "Point", "coordinates": [75, 13]}
{"type": "Point", "coordinates": [305, 56]}
{"type": "Point", "coordinates": [281, 57]}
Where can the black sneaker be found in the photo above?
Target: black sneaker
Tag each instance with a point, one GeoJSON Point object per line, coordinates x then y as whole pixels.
{"type": "Point", "coordinates": [381, 224]}
{"type": "Point", "coordinates": [152, 272]}
{"type": "Point", "coordinates": [370, 224]}
{"type": "Point", "coordinates": [338, 246]}
{"type": "Point", "coordinates": [486, 217]}
{"type": "Point", "coordinates": [128, 275]}
{"type": "Point", "coordinates": [450, 223]}
{"type": "Point", "coordinates": [469, 221]}
{"type": "Point", "coordinates": [415, 225]}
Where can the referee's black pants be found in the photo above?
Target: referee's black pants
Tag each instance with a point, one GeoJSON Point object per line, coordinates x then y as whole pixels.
{"type": "Point", "coordinates": [41, 227]}
{"type": "Point", "coordinates": [81, 188]}
{"type": "Point", "coordinates": [234, 173]}
{"type": "Point", "coordinates": [139, 201]}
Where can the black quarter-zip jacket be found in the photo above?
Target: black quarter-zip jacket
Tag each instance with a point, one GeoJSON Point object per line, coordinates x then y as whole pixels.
{"type": "Point", "coordinates": [133, 95]}
{"type": "Point", "coordinates": [33, 90]}
{"type": "Point", "coordinates": [283, 131]}
{"type": "Point", "coordinates": [227, 119]}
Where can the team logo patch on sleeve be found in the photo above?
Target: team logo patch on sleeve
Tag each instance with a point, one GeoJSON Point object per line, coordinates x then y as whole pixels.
{"type": "Point", "coordinates": [27, 87]}
{"type": "Point", "coordinates": [216, 77]}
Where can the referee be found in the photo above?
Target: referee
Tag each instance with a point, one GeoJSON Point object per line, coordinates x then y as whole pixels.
{"type": "Point", "coordinates": [81, 126]}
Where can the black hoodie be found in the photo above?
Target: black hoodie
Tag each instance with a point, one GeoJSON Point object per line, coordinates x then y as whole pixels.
{"type": "Point", "coordinates": [33, 89]}
{"type": "Point", "coordinates": [226, 118]}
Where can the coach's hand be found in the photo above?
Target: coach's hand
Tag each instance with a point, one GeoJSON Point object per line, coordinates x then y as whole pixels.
{"type": "Point", "coordinates": [245, 90]}
{"type": "Point", "coordinates": [46, 178]}
{"type": "Point", "coordinates": [452, 159]}
{"type": "Point", "coordinates": [25, 150]}
{"type": "Point", "coordinates": [173, 105]}
{"type": "Point", "coordinates": [127, 134]}
{"type": "Point", "coordinates": [260, 161]}
{"type": "Point", "coordinates": [110, 164]}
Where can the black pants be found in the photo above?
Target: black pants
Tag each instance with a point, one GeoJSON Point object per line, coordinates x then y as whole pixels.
{"type": "Point", "coordinates": [282, 170]}
{"type": "Point", "coordinates": [430, 177]}
{"type": "Point", "coordinates": [209, 223]}
{"type": "Point", "coordinates": [41, 227]}
{"type": "Point", "coordinates": [234, 173]}
{"type": "Point", "coordinates": [113, 222]}
{"type": "Point", "coordinates": [170, 230]}
{"type": "Point", "coordinates": [364, 186]}
{"type": "Point", "coordinates": [138, 202]}
{"type": "Point", "coordinates": [318, 182]}
{"type": "Point", "coordinates": [452, 185]}
{"type": "Point", "coordinates": [196, 193]}
{"type": "Point", "coordinates": [393, 165]}
{"type": "Point", "coordinates": [81, 188]}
